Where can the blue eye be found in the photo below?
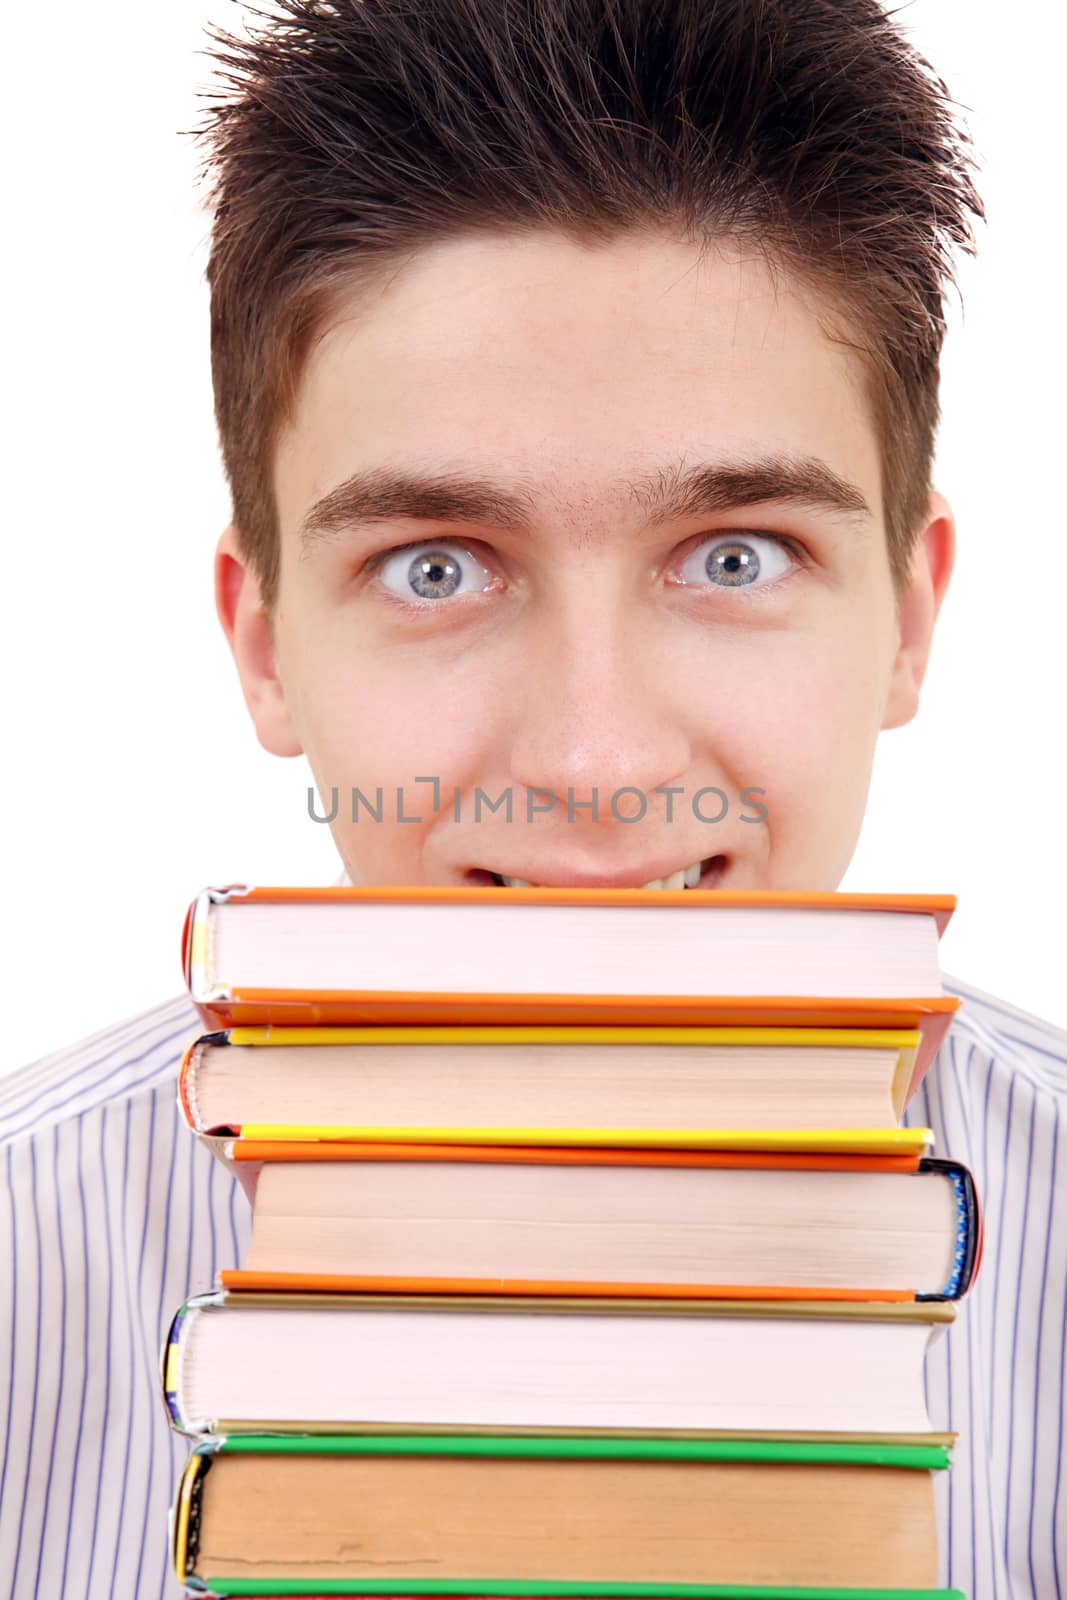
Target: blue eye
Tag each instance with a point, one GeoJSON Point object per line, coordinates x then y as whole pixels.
{"type": "Point", "coordinates": [426, 572]}
{"type": "Point", "coordinates": [738, 560]}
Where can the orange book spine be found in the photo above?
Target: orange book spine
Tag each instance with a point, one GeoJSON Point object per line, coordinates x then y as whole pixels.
{"type": "Point", "coordinates": [560, 1156]}
{"type": "Point", "coordinates": [356, 1008]}
{"type": "Point", "coordinates": [339, 1283]}
{"type": "Point", "coordinates": [939, 906]}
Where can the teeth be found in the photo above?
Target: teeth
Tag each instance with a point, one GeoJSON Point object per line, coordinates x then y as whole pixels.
{"type": "Point", "coordinates": [684, 878]}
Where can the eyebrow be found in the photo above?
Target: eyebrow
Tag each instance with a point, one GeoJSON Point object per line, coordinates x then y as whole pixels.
{"type": "Point", "coordinates": [384, 494]}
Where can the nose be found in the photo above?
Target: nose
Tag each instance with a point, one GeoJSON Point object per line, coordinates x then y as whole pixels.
{"type": "Point", "coordinates": [595, 717]}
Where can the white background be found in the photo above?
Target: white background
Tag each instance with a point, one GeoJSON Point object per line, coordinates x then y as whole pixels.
{"type": "Point", "coordinates": [133, 776]}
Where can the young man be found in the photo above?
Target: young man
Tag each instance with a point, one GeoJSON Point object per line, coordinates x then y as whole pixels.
{"type": "Point", "coordinates": [576, 374]}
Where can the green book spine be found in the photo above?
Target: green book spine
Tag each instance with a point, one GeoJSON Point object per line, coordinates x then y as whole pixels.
{"type": "Point", "coordinates": [530, 1587]}
{"type": "Point", "coordinates": [582, 1447]}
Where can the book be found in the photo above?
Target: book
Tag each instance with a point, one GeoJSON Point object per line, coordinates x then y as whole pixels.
{"type": "Point", "coordinates": [633, 1078]}
{"type": "Point", "coordinates": [355, 955]}
{"type": "Point", "coordinates": [589, 1256]}
{"type": "Point", "coordinates": [332, 1512]}
{"type": "Point", "coordinates": [725, 1224]}
{"type": "Point", "coordinates": [238, 1362]}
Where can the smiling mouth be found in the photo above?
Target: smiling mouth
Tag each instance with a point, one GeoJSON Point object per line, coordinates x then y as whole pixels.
{"type": "Point", "coordinates": [706, 874]}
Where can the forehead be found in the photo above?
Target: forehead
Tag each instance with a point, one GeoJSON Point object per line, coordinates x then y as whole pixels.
{"type": "Point", "coordinates": [572, 367]}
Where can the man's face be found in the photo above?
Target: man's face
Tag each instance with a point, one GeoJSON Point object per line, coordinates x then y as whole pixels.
{"type": "Point", "coordinates": [592, 642]}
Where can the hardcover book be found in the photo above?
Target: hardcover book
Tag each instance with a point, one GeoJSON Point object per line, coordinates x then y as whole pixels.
{"type": "Point", "coordinates": [783, 1080]}
{"type": "Point", "coordinates": [238, 1362]}
{"type": "Point", "coordinates": [728, 1224]}
{"type": "Point", "coordinates": [340, 1513]}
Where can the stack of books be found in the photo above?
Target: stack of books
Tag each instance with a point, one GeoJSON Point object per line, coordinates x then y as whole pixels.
{"type": "Point", "coordinates": [588, 1255]}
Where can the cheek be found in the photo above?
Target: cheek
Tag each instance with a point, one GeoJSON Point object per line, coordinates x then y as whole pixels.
{"type": "Point", "coordinates": [371, 725]}
{"type": "Point", "coordinates": [799, 718]}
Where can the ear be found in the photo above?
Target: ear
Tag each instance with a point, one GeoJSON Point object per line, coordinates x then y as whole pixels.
{"type": "Point", "coordinates": [249, 634]}
{"type": "Point", "coordinates": [920, 602]}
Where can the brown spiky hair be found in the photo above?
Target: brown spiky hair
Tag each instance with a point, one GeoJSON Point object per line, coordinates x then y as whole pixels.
{"type": "Point", "coordinates": [343, 135]}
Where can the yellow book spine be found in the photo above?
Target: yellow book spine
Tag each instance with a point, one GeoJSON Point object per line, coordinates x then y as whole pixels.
{"type": "Point", "coordinates": [823, 1038]}
{"type": "Point", "coordinates": [857, 1140]}
{"type": "Point", "coordinates": [180, 1530]}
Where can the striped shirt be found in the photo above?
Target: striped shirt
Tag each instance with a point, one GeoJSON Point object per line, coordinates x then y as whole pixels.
{"type": "Point", "coordinates": [112, 1213]}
